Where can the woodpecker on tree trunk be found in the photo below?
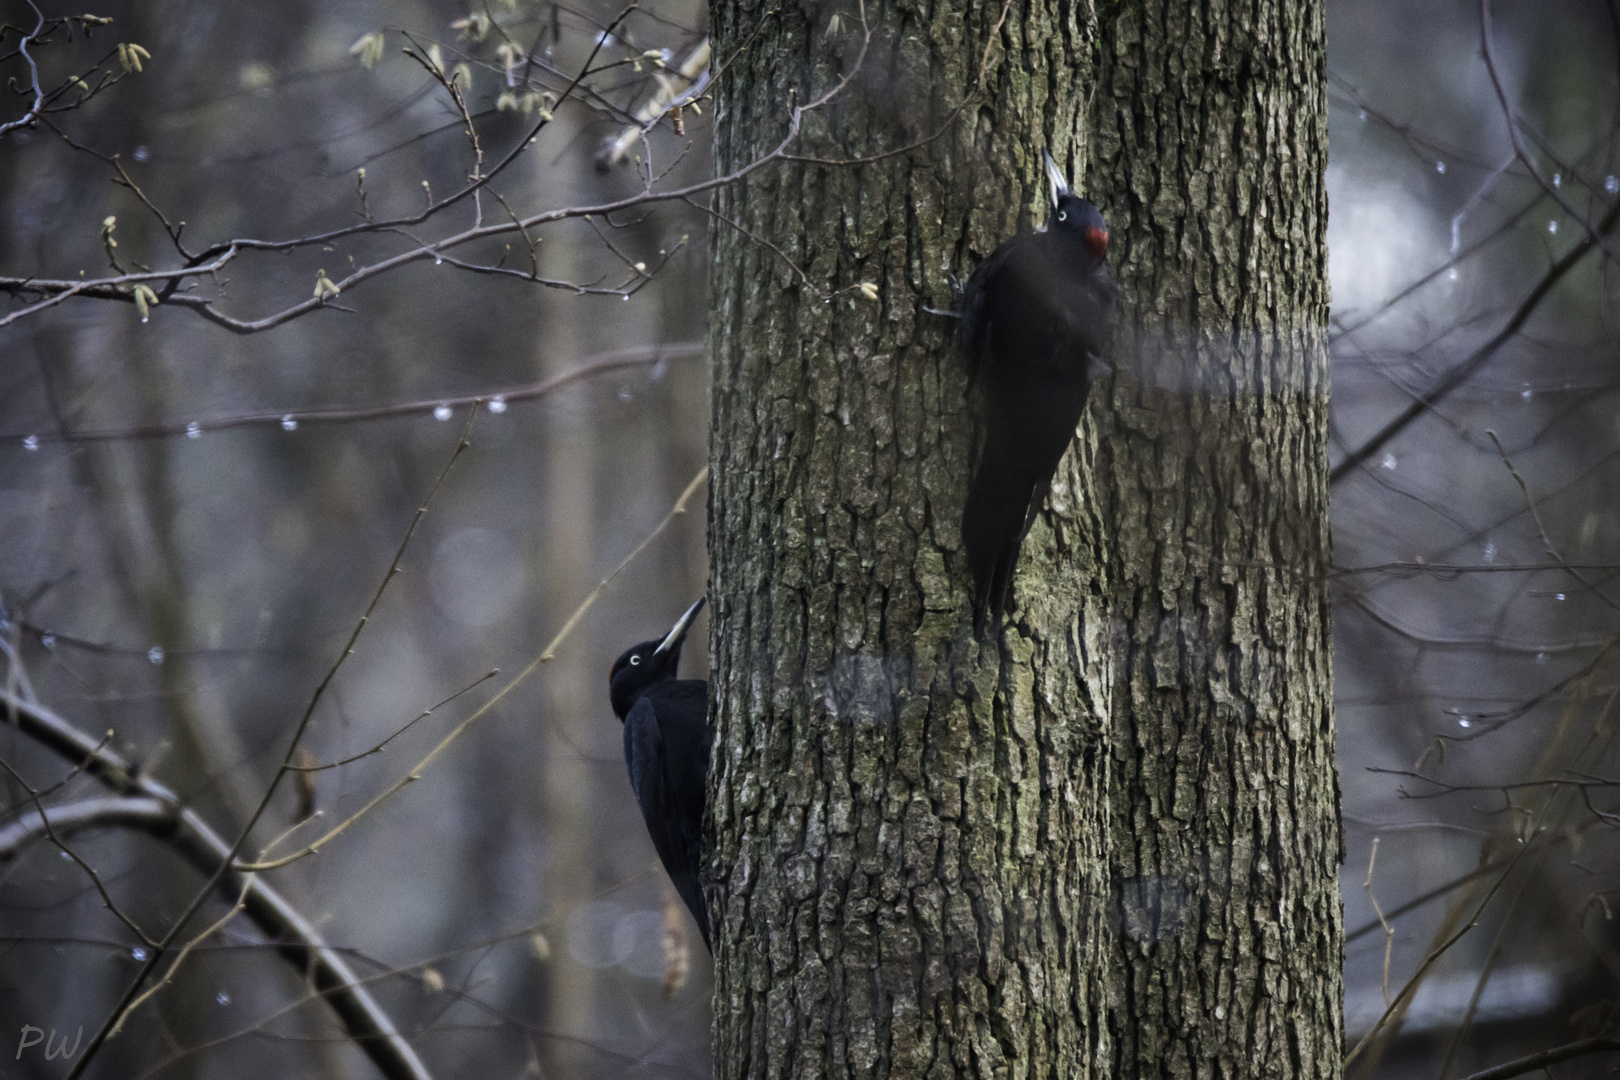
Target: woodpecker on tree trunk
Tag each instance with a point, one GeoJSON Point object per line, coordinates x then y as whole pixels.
{"type": "Point", "coordinates": [666, 749]}
{"type": "Point", "coordinates": [1036, 317]}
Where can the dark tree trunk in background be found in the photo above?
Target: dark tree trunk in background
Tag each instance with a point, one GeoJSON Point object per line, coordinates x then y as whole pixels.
{"type": "Point", "coordinates": [1107, 845]}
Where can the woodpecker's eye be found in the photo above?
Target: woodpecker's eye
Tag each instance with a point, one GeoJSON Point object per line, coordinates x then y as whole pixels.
{"type": "Point", "coordinates": [634, 660]}
{"type": "Point", "coordinates": [1063, 215]}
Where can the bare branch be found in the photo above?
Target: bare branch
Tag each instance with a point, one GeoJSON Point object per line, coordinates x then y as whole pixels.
{"type": "Point", "coordinates": [1456, 569]}
{"type": "Point", "coordinates": [380, 747]}
{"type": "Point", "coordinates": [1541, 527]}
{"type": "Point", "coordinates": [54, 291]}
{"type": "Point", "coordinates": [133, 994]}
{"type": "Point", "coordinates": [1389, 931]}
{"type": "Point", "coordinates": [1488, 45]}
{"type": "Point", "coordinates": [1421, 141]}
{"type": "Point", "coordinates": [1434, 955]}
{"type": "Point", "coordinates": [1444, 788]}
{"type": "Point", "coordinates": [464, 193]}
{"type": "Point", "coordinates": [95, 878]}
{"type": "Point", "coordinates": [1532, 1062]}
{"type": "Point", "coordinates": [108, 288]}
{"type": "Point", "coordinates": [295, 937]}
{"type": "Point", "coordinates": [143, 811]}
{"type": "Point", "coordinates": [1428, 897]}
{"type": "Point", "coordinates": [597, 364]}
{"type": "Point", "coordinates": [33, 36]}
{"type": "Point", "coordinates": [180, 958]}
{"type": "Point", "coordinates": [1478, 358]}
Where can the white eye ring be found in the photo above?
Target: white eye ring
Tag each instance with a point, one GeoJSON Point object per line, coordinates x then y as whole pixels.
{"type": "Point", "coordinates": [634, 660]}
{"type": "Point", "coordinates": [1063, 215]}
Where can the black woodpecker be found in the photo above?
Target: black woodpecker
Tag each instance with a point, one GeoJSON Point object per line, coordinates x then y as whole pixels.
{"type": "Point", "coordinates": [666, 748]}
{"type": "Point", "coordinates": [1036, 316]}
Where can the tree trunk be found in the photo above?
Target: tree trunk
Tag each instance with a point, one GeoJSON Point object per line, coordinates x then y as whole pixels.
{"type": "Point", "coordinates": [1209, 140]}
{"type": "Point", "coordinates": [1104, 844]}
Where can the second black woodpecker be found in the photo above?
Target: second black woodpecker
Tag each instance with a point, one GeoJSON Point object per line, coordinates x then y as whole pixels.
{"type": "Point", "coordinates": [666, 749]}
{"type": "Point", "coordinates": [1036, 316]}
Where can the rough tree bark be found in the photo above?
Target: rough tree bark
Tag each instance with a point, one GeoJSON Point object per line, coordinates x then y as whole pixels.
{"type": "Point", "coordinates": [1209, 141]}
{"type": "Point", "coordinates": [1105, 844]}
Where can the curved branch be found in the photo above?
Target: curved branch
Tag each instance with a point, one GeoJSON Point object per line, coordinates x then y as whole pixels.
{"type": "Point", "coordinates": [296, 938]}
{"type": "Point", "coordinates": [140, 812]}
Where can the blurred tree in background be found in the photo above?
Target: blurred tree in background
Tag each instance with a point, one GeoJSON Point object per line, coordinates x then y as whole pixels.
{"type": "Point", "coordinates": [403, 219]}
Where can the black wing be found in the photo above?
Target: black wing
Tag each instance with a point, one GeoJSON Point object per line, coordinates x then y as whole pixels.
{"type": "Point", "coordinates": [975, 328]}
{"type": "Point", "coordinates": [666, 749]}
{"type": "Point", "coordinates": [1032, 329]}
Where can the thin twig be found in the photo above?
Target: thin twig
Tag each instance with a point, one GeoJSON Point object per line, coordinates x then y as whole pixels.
{"type": "Point", "coordinates": [546, 655]}
{"type": "Point", "coordinates": [1488, 47]}
{"type": "Point", "coordinates": [128, 181]}
{"type": "Point", "coordinates": [28, 695]}
{"type": "Point", "coordinates": [1477, 359]}
{"type": "Point", "coordinates": [34, 107]}
{"type": "Point", "coordinates": [1389, 931]}
{"type": "Point", "coordinates": [1434, 955]}
{"type": "Point", "coordinates": [422, 57]}
{"type": "Point", "coordinates": [599, 364]}
{"type": "Point", "coordinates": [380, 747]}
{"type": "Point", "coordinates": [804, 278]}
{"type": "Point", "coordinates": [90, 871]}
{"type": "Point", "coordinates": [1541, 526]}
{"type": "Point", "coordinates": [115, 1019]}
{"type": "Point", "coordinates": [1453, 569]}
{"type": "Point", "coordinates": [214, 928]}
{"type": "Point", "coordinates": [185, 951]}
{"type": "Point", "coordinates": [197, 842]}
{"type": "Point", "coordinates": [1428, 897]}
{"type": "Point", "coordinates": [1530, 1063]}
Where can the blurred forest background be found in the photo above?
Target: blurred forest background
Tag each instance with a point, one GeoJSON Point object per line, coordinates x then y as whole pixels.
{"type": "Point", "coordinates": [195, 514]}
